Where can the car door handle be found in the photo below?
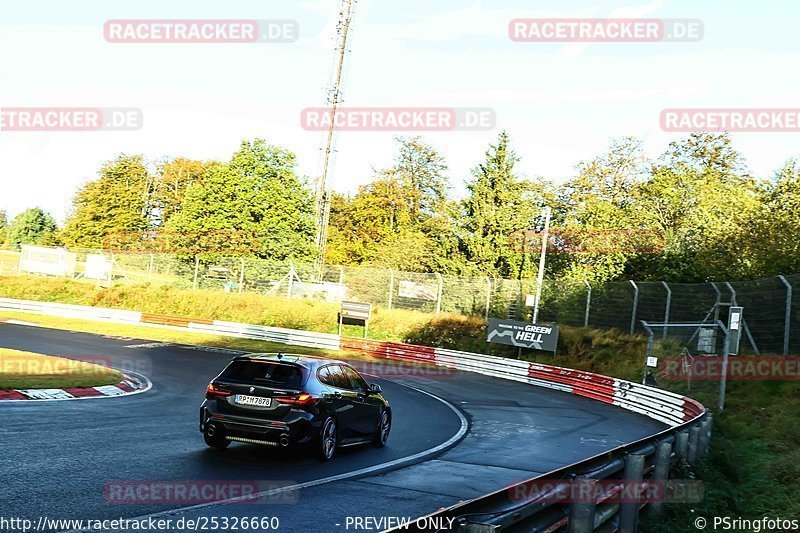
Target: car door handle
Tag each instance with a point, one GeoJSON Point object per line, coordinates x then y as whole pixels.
{"type": "Point", "coordinates": [337, 394]}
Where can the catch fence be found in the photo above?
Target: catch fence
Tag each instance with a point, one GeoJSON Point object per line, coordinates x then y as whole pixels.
{"type": "Point", "coordinates": [771, 305]}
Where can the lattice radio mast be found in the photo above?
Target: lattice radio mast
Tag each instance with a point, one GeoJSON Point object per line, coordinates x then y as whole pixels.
{"type": "Point", "coordinates": [323, 193]}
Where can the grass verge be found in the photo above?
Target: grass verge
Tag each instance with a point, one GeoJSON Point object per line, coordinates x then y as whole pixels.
{"type": "Point", "coordinates": [26, 370]}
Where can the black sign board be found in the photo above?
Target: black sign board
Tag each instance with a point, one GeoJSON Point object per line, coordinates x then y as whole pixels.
{"type": "Point", "coordinates": [523, 334]}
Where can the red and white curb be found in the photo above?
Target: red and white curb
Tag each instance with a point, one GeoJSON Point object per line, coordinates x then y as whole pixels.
{"type": "Point", "coordinates": [132, 384]}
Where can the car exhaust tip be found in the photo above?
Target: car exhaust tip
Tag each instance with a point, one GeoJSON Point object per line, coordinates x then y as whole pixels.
{"type": "Point", "coordinates": [284, 441]}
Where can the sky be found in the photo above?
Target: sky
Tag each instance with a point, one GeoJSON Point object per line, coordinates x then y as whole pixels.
{"type": "Point", "coordinates": [560, 102]}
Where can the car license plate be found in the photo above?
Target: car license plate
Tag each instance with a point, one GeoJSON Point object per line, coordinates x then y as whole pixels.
{"type": "Point", "coordinates": [256, 401]}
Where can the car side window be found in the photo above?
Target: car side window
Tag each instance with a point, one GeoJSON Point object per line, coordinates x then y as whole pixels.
{"type": "Point", "coordinates": [338, 377]}
{"type": "Point", "coordinates": [356, 381]}
{"type": "Point", "coordinates": [324, 375]}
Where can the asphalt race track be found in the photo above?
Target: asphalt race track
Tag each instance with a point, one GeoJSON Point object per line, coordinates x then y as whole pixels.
{"type": "Point", "coordinates": [57, 457]}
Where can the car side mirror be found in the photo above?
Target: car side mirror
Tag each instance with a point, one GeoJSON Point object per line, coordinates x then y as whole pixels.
{"type": "Point", "coordinates": [374, 388]}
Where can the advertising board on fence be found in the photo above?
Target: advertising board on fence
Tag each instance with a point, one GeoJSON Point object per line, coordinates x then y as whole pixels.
{"type": "Point", "coordinates": [523, 334]}
{"type": "Point", "coordinates": [417, 291]}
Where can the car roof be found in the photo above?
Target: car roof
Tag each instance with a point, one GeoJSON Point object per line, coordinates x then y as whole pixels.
{"type": "Point", "coordinates": [308, 361]}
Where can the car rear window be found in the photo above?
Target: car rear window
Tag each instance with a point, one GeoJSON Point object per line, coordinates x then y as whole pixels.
{"type": "Point", "coordinates": [264, 373]}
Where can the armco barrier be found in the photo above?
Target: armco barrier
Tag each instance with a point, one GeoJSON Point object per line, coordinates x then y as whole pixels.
{"type": "Point", "coordinates": [308, 339]}
{"type": "Point", "coordinates": [294, 337]}
{"type": "Point", "coordinates": [687, 436]}
{"type": "Point", "coordinates": [667, 407]}
{"type": "Point", "coordinates": [70, 311]}
{"type": "Point", "coordinates": [624, 467]}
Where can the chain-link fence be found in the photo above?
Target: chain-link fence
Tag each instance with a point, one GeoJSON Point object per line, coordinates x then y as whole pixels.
{"type": "Point", "coordinates": [771, 305]}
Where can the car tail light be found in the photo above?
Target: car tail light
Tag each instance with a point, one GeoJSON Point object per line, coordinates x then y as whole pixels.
{"type": "Point", "coordinates": [301, 400]}
{"type": "Point", "coordinates": [215, 392]}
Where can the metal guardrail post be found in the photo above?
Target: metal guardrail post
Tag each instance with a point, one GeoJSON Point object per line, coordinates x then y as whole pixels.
{"type": "Point", "coordinates": [709, 431]}
{"type": "Point", "coordinates": [588, 303]}
{"type": "Point", "coordinates": [661, 474]}
{"type": "Point", "coordinates": [666, 308]}
{"type": "Point", "coordinates": [682, 444]}
{"type": "Point", "coordinates": [635, 304]}
{"type": "Point", "coordinates": [584, 504]}
{"type": "Point", "coordinates": [787, 324]}
{"type": "Point", "coordinates": [632, 492]}
{"type": "Point", "coordinates": [694, 437]}
{"type": "Point", "coordinates": [705, 435]}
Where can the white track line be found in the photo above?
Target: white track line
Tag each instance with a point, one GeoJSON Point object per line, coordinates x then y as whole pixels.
{"type": "Point", "coordinates": [339, 477]}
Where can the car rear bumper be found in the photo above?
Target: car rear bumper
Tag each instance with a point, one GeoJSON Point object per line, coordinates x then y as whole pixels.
{"type": "Point", "coordinates": [299, 428]}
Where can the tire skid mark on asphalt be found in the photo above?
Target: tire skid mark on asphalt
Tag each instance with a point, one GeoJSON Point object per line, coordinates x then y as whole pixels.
{"type": "Point", "coordinates": [323, 481]}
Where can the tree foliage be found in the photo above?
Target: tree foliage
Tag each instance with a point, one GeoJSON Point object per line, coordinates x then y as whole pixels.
{"type": "Point", "coordinates": [32, 226]}
{"type": "Point", "coordinates": [117, 202]}
{"type": "Point", "coordinates": [700, 212]}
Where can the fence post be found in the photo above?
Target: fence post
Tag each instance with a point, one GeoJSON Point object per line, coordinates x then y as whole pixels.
{"type": "Point", "coordinates": [241, 277]}
{"type": "Point", "coordinates": [582, 508]}
{"type": "Point", "coordinates": [632, 490]}
{"type": "Point", "coordinates": [150, 269]}
{"type": "Point", "coordinates": [744, 321]}
{"type": "Point", "coordinates": [439, 295]}
{"type": "Point", "coordinates": [666, 308]}
{"type": "Point", "coordinates": [291, 281]}
{"type": "Point", "coordinates": [196, 270]}
{"type": "Point", "coordinates": [661, 474]}
{"type": "Point", "coordinates": [488, 295]}
{"type": "Point", "coordinates": [635, 304]}
{"type": "Point", "coordinates": [588, 303]}
{"type": "Point", "coordinates": [717, 301]}
{"type": "Point", "coordinates": [787, 325]}
{"type": "Point", "coordinates": [341, 275]}
{"type": "Point", "coordinates": [723, 380]}
{"type": "Point", "coordinates": [391, 287]}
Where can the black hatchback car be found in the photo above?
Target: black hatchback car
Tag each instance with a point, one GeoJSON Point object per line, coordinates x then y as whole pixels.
{"type": "Point", "coordinates": [280, 400]}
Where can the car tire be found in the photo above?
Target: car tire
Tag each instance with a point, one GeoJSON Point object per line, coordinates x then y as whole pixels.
{"type": "Point", "coordinates": [328, 439]}
{"type": "Point", "coordinates": [384, 428]}
{"type": "Point", "coordinates": [216, 440]}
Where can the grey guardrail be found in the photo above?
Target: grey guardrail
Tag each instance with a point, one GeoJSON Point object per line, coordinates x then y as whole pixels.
{"type": "Point", "coordinates": [308, 339]}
